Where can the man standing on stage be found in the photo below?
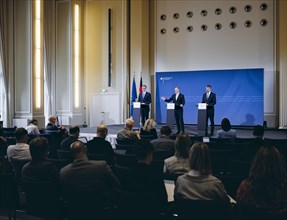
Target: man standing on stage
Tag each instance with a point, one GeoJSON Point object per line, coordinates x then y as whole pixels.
{"type": "Point", "coordinates": [210, 99]}
{"type": "Point", "coordinates": [178, 99]}
{"type": "Point", "coordinates": [145, 100]}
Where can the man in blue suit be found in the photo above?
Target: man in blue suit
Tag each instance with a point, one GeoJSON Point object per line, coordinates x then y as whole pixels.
{"type": "Point", "coordinates": [145, 100]}
{"type": "Point", "coordinates": [210, 99]}
{"type": "Point", "coordinates": [178, 99]}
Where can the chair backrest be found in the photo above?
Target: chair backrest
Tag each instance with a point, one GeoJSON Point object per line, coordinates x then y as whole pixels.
{"type": "Point", "coordinates": [67, 155]}
{"type": "Point", "coordinates": [17, 167]}
{"type": "Point", "coordinates": [147, 137]}
{"type": "Point", "coordinates": [123, 174]}
{"type": "Point", "coordinates": [202, 209]}
{"type": "Point", "coordinates": [128, 148]}
{"type": "Point", "coordinates": [9, 196]}
{"type": "Point", "coordinates": [249, 212]}
{"type": "Point", "coordinates": [43, 197]}
{"type": "Point", "coordinates": [125, 141]}
{"type": "Point", "coordinates": [162, 155]}
{"type": "Point", "coordinates": [60, 163]}
{"type": "Point", "coordinates": [97, 157]}
{"type": "Point", "coordinates": [84, 204]}
{"type": "Point", "coordinates": [134, 205]}
{"type": "Point", "coordinates": [126, 160]}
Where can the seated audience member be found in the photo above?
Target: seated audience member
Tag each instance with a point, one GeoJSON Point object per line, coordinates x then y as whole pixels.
{"type": "Point", "coordinates": [143, 177]}
{"type": "Point", "coordinates": [179, 163]}
{"type": "Point", "coordinates": [249, 149]}
{"type": "Point", "coordinates": [149, 129]}
{"type": "Point", "coordinates": [226, 131]}
{"type": "Point", "coordinates": [39, 168]}
{"type": "Point", "coordinates": [198, 183]}
{"type": "Point", "coordinates": [32, 127]}
{"type": "Point", "coordinates": [51, 126]}
{"type": "Point", "coordinates": [99, 145]}
{"type": "Point", "coordinates": [127, 132]}
{"type": "Point", "coordinates": [164, 143]}
{"type": "Point", "coordinates": [74, 133]}
{"type": "Point", "coordinates": [87, 175]}
{"type": "Point", "coordinates": [266, 186]}
{"type": "Point", "coordinates": [20, 150]}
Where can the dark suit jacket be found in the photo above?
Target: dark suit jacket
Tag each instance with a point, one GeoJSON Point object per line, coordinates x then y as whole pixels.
{"type": "Point", "coordinates": [144, 178]}
{"type": "Point", "coordinates": [180, 100]}
{"type": "Point", "coordinates": [40, 170]}
{"type": "Point", "coordinates": [163, 143]}
{"type": "Point", "coordinates": [99, 145]}
{"type": "Point", "coordinates": [88, 175]}
{"type": "Point", "coordinates": [146, 99]}
{"type": "Point", "coordinates": [66, 143]}
{"type": "Point", "coordinates": [211, 101]}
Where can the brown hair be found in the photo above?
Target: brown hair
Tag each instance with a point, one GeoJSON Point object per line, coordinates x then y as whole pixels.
{"type": "Point", "coordinates": [268, 167]}
{"type": "Point", "coordinates": [199, 158]}
{"type": "Point", "coordinates": [182, 145]}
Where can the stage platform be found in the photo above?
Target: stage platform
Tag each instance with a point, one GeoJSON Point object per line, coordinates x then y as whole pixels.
{"type": "Point", "coordinates": [242, 132]}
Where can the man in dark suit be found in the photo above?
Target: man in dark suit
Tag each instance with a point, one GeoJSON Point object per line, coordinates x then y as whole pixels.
{"type": "Point", "coordinates": [40, 168]}
{"type": "Point", "coordinates": [88, 175]}
{"type": "Point", "coordinates": [98, 145]}
{"type": "Point", "coordinates": [145, 100]}
{"type": "Point", "coordinates": [210, 99]}
{"type": "Point", "coordinates": [178, 99]}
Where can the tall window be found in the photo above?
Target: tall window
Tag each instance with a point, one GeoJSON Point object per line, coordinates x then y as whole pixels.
{"type": "Point", "coordinates": [77, 55]}
{"type": "Point", "coordinates": [2, 95]}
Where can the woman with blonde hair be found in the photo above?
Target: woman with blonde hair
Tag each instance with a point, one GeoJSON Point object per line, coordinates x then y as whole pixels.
{"type": "Point", "coordinates": [148, 129]}
{"type": "Point", "coordinates": [199, 183]}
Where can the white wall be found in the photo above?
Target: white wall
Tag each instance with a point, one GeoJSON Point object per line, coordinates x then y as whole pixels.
{"type": "Point", "coordinates": [227, 48]}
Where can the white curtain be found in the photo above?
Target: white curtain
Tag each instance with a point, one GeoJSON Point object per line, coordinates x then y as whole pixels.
{"type": "Point", "coordinates": [4, 56]}
{"type": "Point", "coordinates": [48, 8]}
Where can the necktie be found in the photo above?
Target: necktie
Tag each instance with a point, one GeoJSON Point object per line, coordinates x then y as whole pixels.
{"type": "Point", "coordinates": [207, 95]}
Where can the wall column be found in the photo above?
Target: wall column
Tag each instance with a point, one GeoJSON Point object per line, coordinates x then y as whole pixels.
{"type": "Point", "coordinates": [28, 63]}
{"type": "Point", "coordinates": [282, 62]}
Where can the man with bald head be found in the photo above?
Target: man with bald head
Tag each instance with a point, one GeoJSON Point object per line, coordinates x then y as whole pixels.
{"type": "Point", "coordinates": [87, 175]}
{"type": "Point", "coordinates": [98, 145]}
{"type": "Point", "coordinates": [127, 132]}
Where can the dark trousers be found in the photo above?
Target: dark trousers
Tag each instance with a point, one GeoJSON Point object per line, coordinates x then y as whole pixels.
{"type": "Point", "coordinates": [144, 114]}
{"type": "Point", "coordinates": [210, 116]}
{"type": "Point", "coordinates": [178, 114]}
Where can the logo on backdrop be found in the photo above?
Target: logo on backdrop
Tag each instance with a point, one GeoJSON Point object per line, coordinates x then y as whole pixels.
{"type": "Point", "coordinates": [165, 79]}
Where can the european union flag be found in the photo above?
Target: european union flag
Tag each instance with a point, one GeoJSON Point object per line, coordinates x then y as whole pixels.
{"type": "Point", "coordinates": [134, 96]}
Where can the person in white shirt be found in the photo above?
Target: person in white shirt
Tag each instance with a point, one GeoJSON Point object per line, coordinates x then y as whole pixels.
{"type": "Point", "coordinates": [20, 150]}
{"type": "Point", "coordinates": [33, 128]}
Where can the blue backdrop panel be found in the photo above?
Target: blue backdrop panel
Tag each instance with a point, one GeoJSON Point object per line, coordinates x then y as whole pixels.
{"type": "Point", "coordinates": [239, 94]}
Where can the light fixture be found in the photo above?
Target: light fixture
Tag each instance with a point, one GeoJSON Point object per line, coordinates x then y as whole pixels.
{"type": "Point", "coordinates": [77, 56]}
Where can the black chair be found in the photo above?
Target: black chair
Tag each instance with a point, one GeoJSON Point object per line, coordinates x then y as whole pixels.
{"type": "Point", "coordinates": [202, 209]}
{"type": "Point", "coordinates": [230, 182]}
{"type": "Point", "coordinates": [9, 132]}
{"type": "Point", "coordinates": [196, 138]}
{"type": "Point", "coordinates": [65, 155]}
{"type": "Point", "coordinates": [239, 167]}
{"type": "Point", "coordinates": [123, 174]}
{"type": "Point", "coordinates": [245, 212]}
{"type": "Point", "coordinates": [42, 198]}
{"type": "Point", "coordinates": [243, 140]}
{"type": "Point", "coordinates": [60, 163]}
{"type": "Point", "coordinates": [126, 160]}
{"type": "Point", "coordinates": [125, 141]}
{"type": "Point", "coordinates": [158, 166]}
{"type": "Point", "coordinates": [147, 137]}
{"type": "Point", "coordinates": [86, 205]}
{"type": "Point", "coordinates": [162, 155]}
{"type": "Point", "coordinates": [134, 205]}
{"type": "Point", "coordinates": [17, 168]}
{"type": "Point", "coordinates": [97, 157]}
{"type": "Point", "coordinates": [9, 196]}
{"type": "Point", "coordinates": [129, 148]}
